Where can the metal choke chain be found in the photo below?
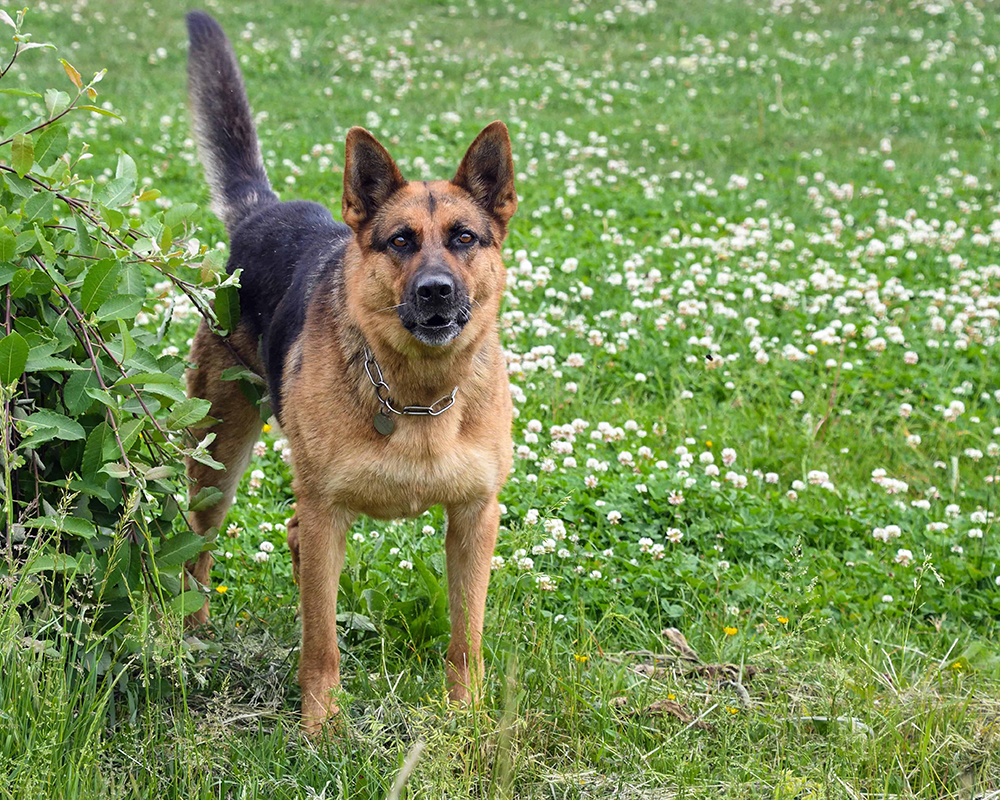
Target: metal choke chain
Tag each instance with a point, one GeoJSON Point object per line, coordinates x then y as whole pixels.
{"type": "Point", "coordinates": [382, 392]}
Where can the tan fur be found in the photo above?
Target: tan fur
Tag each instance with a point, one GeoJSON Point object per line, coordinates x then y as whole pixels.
{"type": "Point", "coordinates": [342, 466]}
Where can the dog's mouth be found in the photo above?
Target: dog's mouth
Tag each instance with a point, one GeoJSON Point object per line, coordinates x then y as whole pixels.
{"type": "Point", "coordinates": [436, 330]}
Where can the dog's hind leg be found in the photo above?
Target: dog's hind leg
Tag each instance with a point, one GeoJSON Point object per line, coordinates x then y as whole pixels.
{"type": "Point", "coordinates": [238, 428]}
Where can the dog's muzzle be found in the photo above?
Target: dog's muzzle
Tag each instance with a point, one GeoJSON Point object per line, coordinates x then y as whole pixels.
{"type": "Point", "coordinates": [436, 308]}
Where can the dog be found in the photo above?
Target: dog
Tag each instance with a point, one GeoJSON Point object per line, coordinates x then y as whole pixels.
{"type": "Point", "coordinates": [378, 341]}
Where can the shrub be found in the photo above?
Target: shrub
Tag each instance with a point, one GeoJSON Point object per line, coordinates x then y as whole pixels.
{"type": "Point", "coordinates": [94, 422]}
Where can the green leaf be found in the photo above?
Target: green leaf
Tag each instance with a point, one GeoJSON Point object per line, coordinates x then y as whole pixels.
{"type": "Point", "coordinates": [52, 143]}
{"type": "Point", "coordinates": [132, 281]}
{"type": "Point", "coordinates": [60, 562]}
{"type": "Point", "coordinates": [120, 306]}
{"type": "Point", "coordinates": [241, 373]}
{"type": "Point", "coordinates": [39, 206]}
{"type": "Point", "coordinates": [178, 213]}
{"type": "Point", "coordinates": [128, 343]}
{"type": "Point", "coordinates": [47, 249]}
{"type": "Point", "coordinates": [207, 497]}
{"type": "Point", "coordinates": [22, 154]}
{"type": "Point", "coordinates": [22, 187]}
{"type": "Point", "coordinates": [130, 431]}
{"type": "Point", "coordinates": [188, 413]}
{"type": "Point", "coordinates": [73, 525]}
{"type": "Point", "coordinates": [7, 272]}
{"type": "Point", "coordinates": [56, 102]}
{"type": "Point", "coordinates": [99, 110]}
{"type": "Point", "coordinates": [46, 363]}
{"type": "Point", "coordinates": [227, 307]}
{"type": "Point", "coordinates": [159, 473]}
{"type": "Point", "coordinates": [143, 378]}
{"type": "Point", "coordinates": [126, 168]}
{"type": "Point", "coordinates": [116, 470]}
{"type": "Point", "coordinates": [68, 429]}
{"type": "Point", "coordinates": [13, 357]}
{"type": "Point", "coordinates": [83, 241]}
{"type": "Point", "coordinates": [75, 396]}
{"type": "Point", "coordinates": [180, 549]}
{"type": "Point", "coordinates": [187, 603]}
{"type": "Point", "coordinates": [19, 92]}
{"type": "Point", "coordinates": [8, 244]}
{"type": "Point", "coordinates": [93, 453]}
{"type": "Point", "coordinates": [99, 284]}
{"type": "Point", "coordinates": [117, 192]}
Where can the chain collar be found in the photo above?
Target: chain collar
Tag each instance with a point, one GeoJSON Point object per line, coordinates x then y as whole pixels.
{"type": "Point", "coordinates": [382, 392]}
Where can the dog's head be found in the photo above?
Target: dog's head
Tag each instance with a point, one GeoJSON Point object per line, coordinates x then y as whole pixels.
{"type": "Point", "coordinates": [427, 266]}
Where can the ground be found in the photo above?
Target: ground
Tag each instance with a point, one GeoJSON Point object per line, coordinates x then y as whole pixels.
{"type": "Point", "coordinates": [751, 330]}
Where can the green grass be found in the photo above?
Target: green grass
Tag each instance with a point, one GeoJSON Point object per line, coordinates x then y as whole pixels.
{"type": "Point", "coordinates": [635, 125]}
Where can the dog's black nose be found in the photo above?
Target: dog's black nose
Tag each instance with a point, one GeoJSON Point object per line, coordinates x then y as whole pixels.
{"type": "Point", "coordinates": [435, 288]}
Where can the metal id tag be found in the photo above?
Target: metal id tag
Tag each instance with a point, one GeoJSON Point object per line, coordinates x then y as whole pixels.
{"type": "Point", "coordinates": [384, 423]}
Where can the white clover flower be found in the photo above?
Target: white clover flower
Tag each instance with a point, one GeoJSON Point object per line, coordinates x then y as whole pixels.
{"type": "Point", "coordinates": [497, 562]}
{"type": "Point", "coordinates": [266, 547]}
{"type": "Point", "coordinates": [771, 477]}
{"type": "Point", "coordinates": [545, 583]}
{"type": "Point", "coordinates": [407, 565]}
{"type": "Point", "coordinates": [798, 398]}
{"type": "Point", "coordinates": [975, 533]}
{"type": "Point", "coordinates": [674, 535]}
{"type": "Point", "coordinates": [903, 557]}
{"type": "Point", "coordinates": [887, 598]}
{"type": "Point", "coordinates": [614, 517]}
{"type": "Point", "coordinates": [728, 457]}
{"type": "Point", "coordinates": [260, 556]}
{"type": "Point", "coordinates": [525, 564]}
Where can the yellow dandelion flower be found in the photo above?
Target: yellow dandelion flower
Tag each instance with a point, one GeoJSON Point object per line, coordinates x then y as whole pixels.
{"type": "Point", "coordinates": [580, 659]}
{"type": "Point", "coordinates": [266, 428]}
{"type": "Point", "coordinates": [783, 620]}
{"type": "Point", "coordinates": [732, 710]}
{"type": "Point", "coordinates": [708, 443]}
{"type": "Point", "coordinates": [729, 631]}
{"type": "Point", "coordinates": [671, 696]}
{"type": "Point", "coordinates": [957, 666]}
{"type": "Point", "coordinates": [222, 589]}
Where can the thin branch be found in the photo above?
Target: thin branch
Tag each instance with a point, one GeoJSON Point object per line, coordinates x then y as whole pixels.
{"type": "Point", "coordinates": [17, 49]}
{"type": "Point", "coordinates": [46, 123]}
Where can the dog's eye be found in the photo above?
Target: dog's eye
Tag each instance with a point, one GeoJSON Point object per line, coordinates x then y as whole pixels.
{"type": "Point", "coordinates": [465, 238]}
{"type": "Point", "coordinates": [399, 242]}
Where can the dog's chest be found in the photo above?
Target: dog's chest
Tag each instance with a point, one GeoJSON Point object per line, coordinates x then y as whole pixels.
{"type": "Point", "coordinates": [411, 470]}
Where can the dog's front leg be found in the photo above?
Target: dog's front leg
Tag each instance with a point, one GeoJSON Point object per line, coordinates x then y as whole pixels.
{"type": "Point", "coordinates": [472, 535]}
{"type": "Point", "coordinates": [322, 541]}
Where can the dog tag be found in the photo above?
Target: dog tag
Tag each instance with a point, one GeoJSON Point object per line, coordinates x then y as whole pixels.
{"type": "Point", "coordinates": [384, 423]}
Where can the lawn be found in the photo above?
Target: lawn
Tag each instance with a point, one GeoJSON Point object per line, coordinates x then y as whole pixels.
{"type": "Point", "coordinates": [749, 545]}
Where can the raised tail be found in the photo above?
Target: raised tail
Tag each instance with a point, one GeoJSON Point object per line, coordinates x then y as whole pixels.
{"type": "Point", "coordinates": [223, 124]}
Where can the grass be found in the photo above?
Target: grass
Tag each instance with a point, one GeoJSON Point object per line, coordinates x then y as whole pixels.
{"type": "Point", "coordinates": [744, 180]}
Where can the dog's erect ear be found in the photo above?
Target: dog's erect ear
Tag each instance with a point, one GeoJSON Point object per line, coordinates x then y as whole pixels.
{"type": "Point", "coordinates": [487, 172]}
{"type": "Point", "coordinates": [370, 177]}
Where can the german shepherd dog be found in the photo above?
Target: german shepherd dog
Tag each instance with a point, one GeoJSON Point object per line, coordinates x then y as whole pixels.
{"type": "Point", "coordinates": [378, 341]}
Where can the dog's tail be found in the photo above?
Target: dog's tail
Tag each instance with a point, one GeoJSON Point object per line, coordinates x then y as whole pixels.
{"type": "Point", "coordinates": [223, 124]}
